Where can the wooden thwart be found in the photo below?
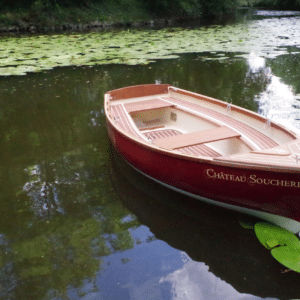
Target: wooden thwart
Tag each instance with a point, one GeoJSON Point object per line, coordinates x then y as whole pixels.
{"type": "Point", "coordinates": [146, 105]}
{"type": "Point", "coordinates": [196, 138]}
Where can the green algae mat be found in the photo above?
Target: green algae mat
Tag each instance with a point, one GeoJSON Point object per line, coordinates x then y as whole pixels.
{"type": "Point", "coordinates": [265, 38]}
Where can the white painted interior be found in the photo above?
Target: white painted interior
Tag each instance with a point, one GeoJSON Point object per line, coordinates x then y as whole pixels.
{"type": "Point", "coordinates": [186, 123]}
{"type": "Point", "coordinates": [258, 122]}
{"type": "Point", "coordinates": [229, 146]}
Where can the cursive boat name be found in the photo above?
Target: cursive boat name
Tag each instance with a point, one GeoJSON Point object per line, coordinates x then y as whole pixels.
{"type": "Point", "coordinates": [251, 180]}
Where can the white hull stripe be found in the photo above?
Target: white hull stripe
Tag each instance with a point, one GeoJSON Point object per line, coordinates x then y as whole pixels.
{"type": "Point", "coordinates": [281, 221]}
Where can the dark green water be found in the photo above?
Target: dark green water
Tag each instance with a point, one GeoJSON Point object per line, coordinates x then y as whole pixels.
{"type": "Point", "coordinates": [77, 223]}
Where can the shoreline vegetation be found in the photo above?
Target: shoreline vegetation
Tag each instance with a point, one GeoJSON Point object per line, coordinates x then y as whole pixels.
{"type": "Point", "coordinates": [35, 16]}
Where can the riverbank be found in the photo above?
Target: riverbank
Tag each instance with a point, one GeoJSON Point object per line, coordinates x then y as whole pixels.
{"type": "Point", "coordinates": [32, 27]}
{"type": "Point", "coordinates": [20, 26]}
{"type": "Point", "coordinates": [41, 18]}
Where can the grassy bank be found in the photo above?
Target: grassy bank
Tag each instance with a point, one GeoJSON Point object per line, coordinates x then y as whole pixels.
{"type": "Point", "coordinates": [42, 17]}
{"type": "Point", "coordinates": [59, 15]}
{"type": "Point", "coordinates": [48, 15]}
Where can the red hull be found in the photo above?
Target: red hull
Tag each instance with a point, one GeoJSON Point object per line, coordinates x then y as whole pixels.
{"type": "Point", "coordinates": [271, 192]}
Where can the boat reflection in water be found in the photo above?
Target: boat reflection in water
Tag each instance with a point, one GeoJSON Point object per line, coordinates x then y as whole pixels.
{"type": "Point", "coordinates": [222, 239]}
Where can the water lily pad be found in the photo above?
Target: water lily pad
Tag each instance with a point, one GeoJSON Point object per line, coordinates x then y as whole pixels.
{"type": "Point", "coordinates": [288, 257]}
{"type": "Point", "coordinates": [262, 37]}
{"type": "Point", "coordinates": [272, 236]}
{"type": "Point", "coordinates": [246, 224]}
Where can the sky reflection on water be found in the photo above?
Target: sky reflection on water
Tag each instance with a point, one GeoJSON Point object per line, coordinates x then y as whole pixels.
{"type": "Point", "coordinates": [157, 271]}
{"type": "Point", "coordinates": [278, 101]}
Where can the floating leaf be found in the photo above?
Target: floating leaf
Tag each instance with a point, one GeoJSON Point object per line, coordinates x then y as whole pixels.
{"type": "Point", "coordinates": [272, 236]}
{"type": "Point", "coordinates": [288, 257]}
{"type": "Point", "coordinates": [246, 224]}
{"type": "Point", "coordinates": [262, 37]}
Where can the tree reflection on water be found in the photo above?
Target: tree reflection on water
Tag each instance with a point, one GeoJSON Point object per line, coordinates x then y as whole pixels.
{"type": "Point", "coordinates": [75, 220]}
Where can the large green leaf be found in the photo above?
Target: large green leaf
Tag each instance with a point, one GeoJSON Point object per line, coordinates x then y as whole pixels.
{"type": "Point", "coordinates": [288, 257]}
{"type": "Point", "coordinates": [272, 236]}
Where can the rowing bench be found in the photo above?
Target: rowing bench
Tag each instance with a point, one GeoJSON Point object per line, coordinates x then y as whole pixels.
{"type": "Point", "coordinates": [196, 138]}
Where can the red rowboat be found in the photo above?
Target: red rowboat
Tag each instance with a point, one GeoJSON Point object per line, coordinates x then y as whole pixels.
{"type": "Point", "coordinates": [208, 149]}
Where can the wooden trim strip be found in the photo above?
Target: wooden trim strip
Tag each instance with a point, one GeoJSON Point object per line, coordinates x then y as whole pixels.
{"type": "Point", "coordinates": [260, 159]}
{"type": "Point", "coordinates": [138, 91]}
{"type": "Point", "coordinates": [151, 128]}
{"type": "Point", "coordinates": [146, 105]}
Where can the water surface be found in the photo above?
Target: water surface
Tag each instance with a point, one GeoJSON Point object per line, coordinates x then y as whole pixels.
{"type": "Point", "coordinates": [77, 223]}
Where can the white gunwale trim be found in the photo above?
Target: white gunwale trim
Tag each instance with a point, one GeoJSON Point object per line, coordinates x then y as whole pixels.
{"type": "Point", "coordinates": [281, 221]}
